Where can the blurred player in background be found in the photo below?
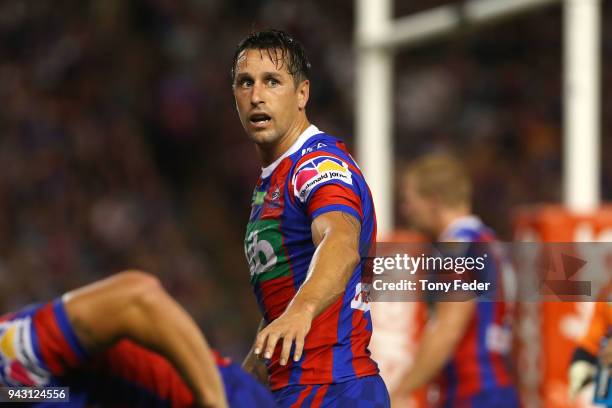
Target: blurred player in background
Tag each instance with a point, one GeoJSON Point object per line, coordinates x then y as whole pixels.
{"type": "Point", "coordinates": [594, 348]}
{"type": "Point", "coordinates": [311, 225]}
{"type": "Point", "coordinates": [465, 344]}
{"type": "Point", "coordinates": [121, 341]}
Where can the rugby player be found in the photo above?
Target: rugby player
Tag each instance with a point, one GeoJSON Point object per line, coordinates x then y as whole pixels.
{"type": "Point", "coordinates": [311, 225]}
{"type": "Point", "coordinates": [122, 341]}
{"type": "Point", "coordinates": [465, 345]}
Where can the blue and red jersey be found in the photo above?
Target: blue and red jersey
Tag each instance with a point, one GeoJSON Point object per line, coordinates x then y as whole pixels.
{"type": "Point", "coordinates": [315, 176]}
{"type": "Point", "coordinates": [480, 362]}
{"type": "Point", "coordinates": [38, 347]}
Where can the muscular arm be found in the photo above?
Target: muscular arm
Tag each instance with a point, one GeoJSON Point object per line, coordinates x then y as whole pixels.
{"type": "Point", "coordinates": [336, 236]}
{"type": "Point", "coordinates": [134, 305]}
{"type": "Point", "coordinates": [438, 344]}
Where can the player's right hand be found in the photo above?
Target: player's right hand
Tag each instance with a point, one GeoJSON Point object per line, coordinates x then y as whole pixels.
{"type": "Point", "coordinates": [290, 329]}
{"type": "Point", "coordinates": [580, 374]}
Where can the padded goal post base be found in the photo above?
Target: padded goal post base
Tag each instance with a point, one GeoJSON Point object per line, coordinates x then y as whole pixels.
{"type": "Point", "coordinates": [546, 332]}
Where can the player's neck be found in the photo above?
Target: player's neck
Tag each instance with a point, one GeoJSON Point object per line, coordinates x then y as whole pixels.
{"type": "Point", "coordinates": [449, 215]}
{"type": "Point", "coordinates": [269, 153]}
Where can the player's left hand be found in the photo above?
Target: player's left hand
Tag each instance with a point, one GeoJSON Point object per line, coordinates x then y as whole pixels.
{"type": "Point", "coordinates": [292, 327]}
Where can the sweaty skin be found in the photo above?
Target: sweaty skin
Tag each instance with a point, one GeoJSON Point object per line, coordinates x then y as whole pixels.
{"type": "Point", "coordinates": [134, 305]}
{"type": "Point", "coordinates": [264, 89]}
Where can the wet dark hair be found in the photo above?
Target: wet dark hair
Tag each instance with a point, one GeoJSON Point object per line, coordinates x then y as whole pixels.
{"type": "Point", "coordinates": [281, 48]}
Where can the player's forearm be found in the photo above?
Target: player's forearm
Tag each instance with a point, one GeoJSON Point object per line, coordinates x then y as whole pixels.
{"type": "Point", "coordinates": [336, 237]}
{"type": "Point", "coordinates": [435, 350]}
{"type": "Point", "coordinates": [331, 267]}
{"type": "Point", "coordinates": [134, 305]}
{"type": "Point", "coordinates": [183, 344]}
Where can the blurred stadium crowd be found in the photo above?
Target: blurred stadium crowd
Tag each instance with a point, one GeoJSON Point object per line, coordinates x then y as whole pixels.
{"type": "Point", "coordinates": [120, 146]}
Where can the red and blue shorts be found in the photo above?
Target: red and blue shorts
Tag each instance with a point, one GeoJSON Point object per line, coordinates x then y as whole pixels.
{"type": "Point", "coordinates": [364, 392]}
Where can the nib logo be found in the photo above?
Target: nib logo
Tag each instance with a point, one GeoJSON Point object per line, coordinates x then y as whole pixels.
{"type": "Point", "coordinates": [563, 287]}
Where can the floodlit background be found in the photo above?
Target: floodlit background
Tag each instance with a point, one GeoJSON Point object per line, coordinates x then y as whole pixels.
{"type": "Point", "coordinates": [120, 145]}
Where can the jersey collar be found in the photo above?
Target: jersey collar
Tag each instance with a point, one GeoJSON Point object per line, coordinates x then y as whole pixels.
{"type": "Point", "coordinates": [467, 221]}
{"type": "Point", "coordinates": [299, 142]}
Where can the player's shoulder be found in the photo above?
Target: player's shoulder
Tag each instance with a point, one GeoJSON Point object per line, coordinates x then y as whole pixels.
{"type": "Point", "coordinates": [469, 229]}
{"type": "Point", "coordinates": [321, 160]}
{"type": "Point", "coordinates": [322, 146]}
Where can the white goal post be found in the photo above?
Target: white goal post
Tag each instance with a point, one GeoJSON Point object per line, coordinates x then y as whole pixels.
{"type": "Point", "coordinates": [378, 36]}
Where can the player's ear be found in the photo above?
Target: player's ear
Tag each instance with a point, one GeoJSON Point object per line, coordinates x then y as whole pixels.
{"type": "Point", "coordinates": [303, 91]}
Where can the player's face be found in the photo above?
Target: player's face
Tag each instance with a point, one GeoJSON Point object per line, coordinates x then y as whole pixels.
{"type": "Point", "coordinates": [269, 104]}
{"type": "Point", "coordinates": [418, 210]}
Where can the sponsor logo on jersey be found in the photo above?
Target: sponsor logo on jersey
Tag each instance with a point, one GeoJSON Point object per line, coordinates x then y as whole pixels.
{"type": "Point", "coordinates": [498, 339]}
{"type": "Point", "coordinates": [18, 363]}
{"type": "Point", "coordinates": [260, 253]}
{"type": "Point", "coordinates": [361, 300]}
{"type": "Point", "coordinates": [319, 170]}
{"type": "Point", "coordinates": [312, 149]}
{"type": "Point", "coordinates": [258, 198]}
{"type": "Point", "coordinates": [268, 203]}
{"type": "Point", "coordinates": [263, 247]}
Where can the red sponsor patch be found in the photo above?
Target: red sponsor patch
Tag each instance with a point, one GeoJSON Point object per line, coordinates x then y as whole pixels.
{"type": "Point", "coordinates": [304, 176]}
